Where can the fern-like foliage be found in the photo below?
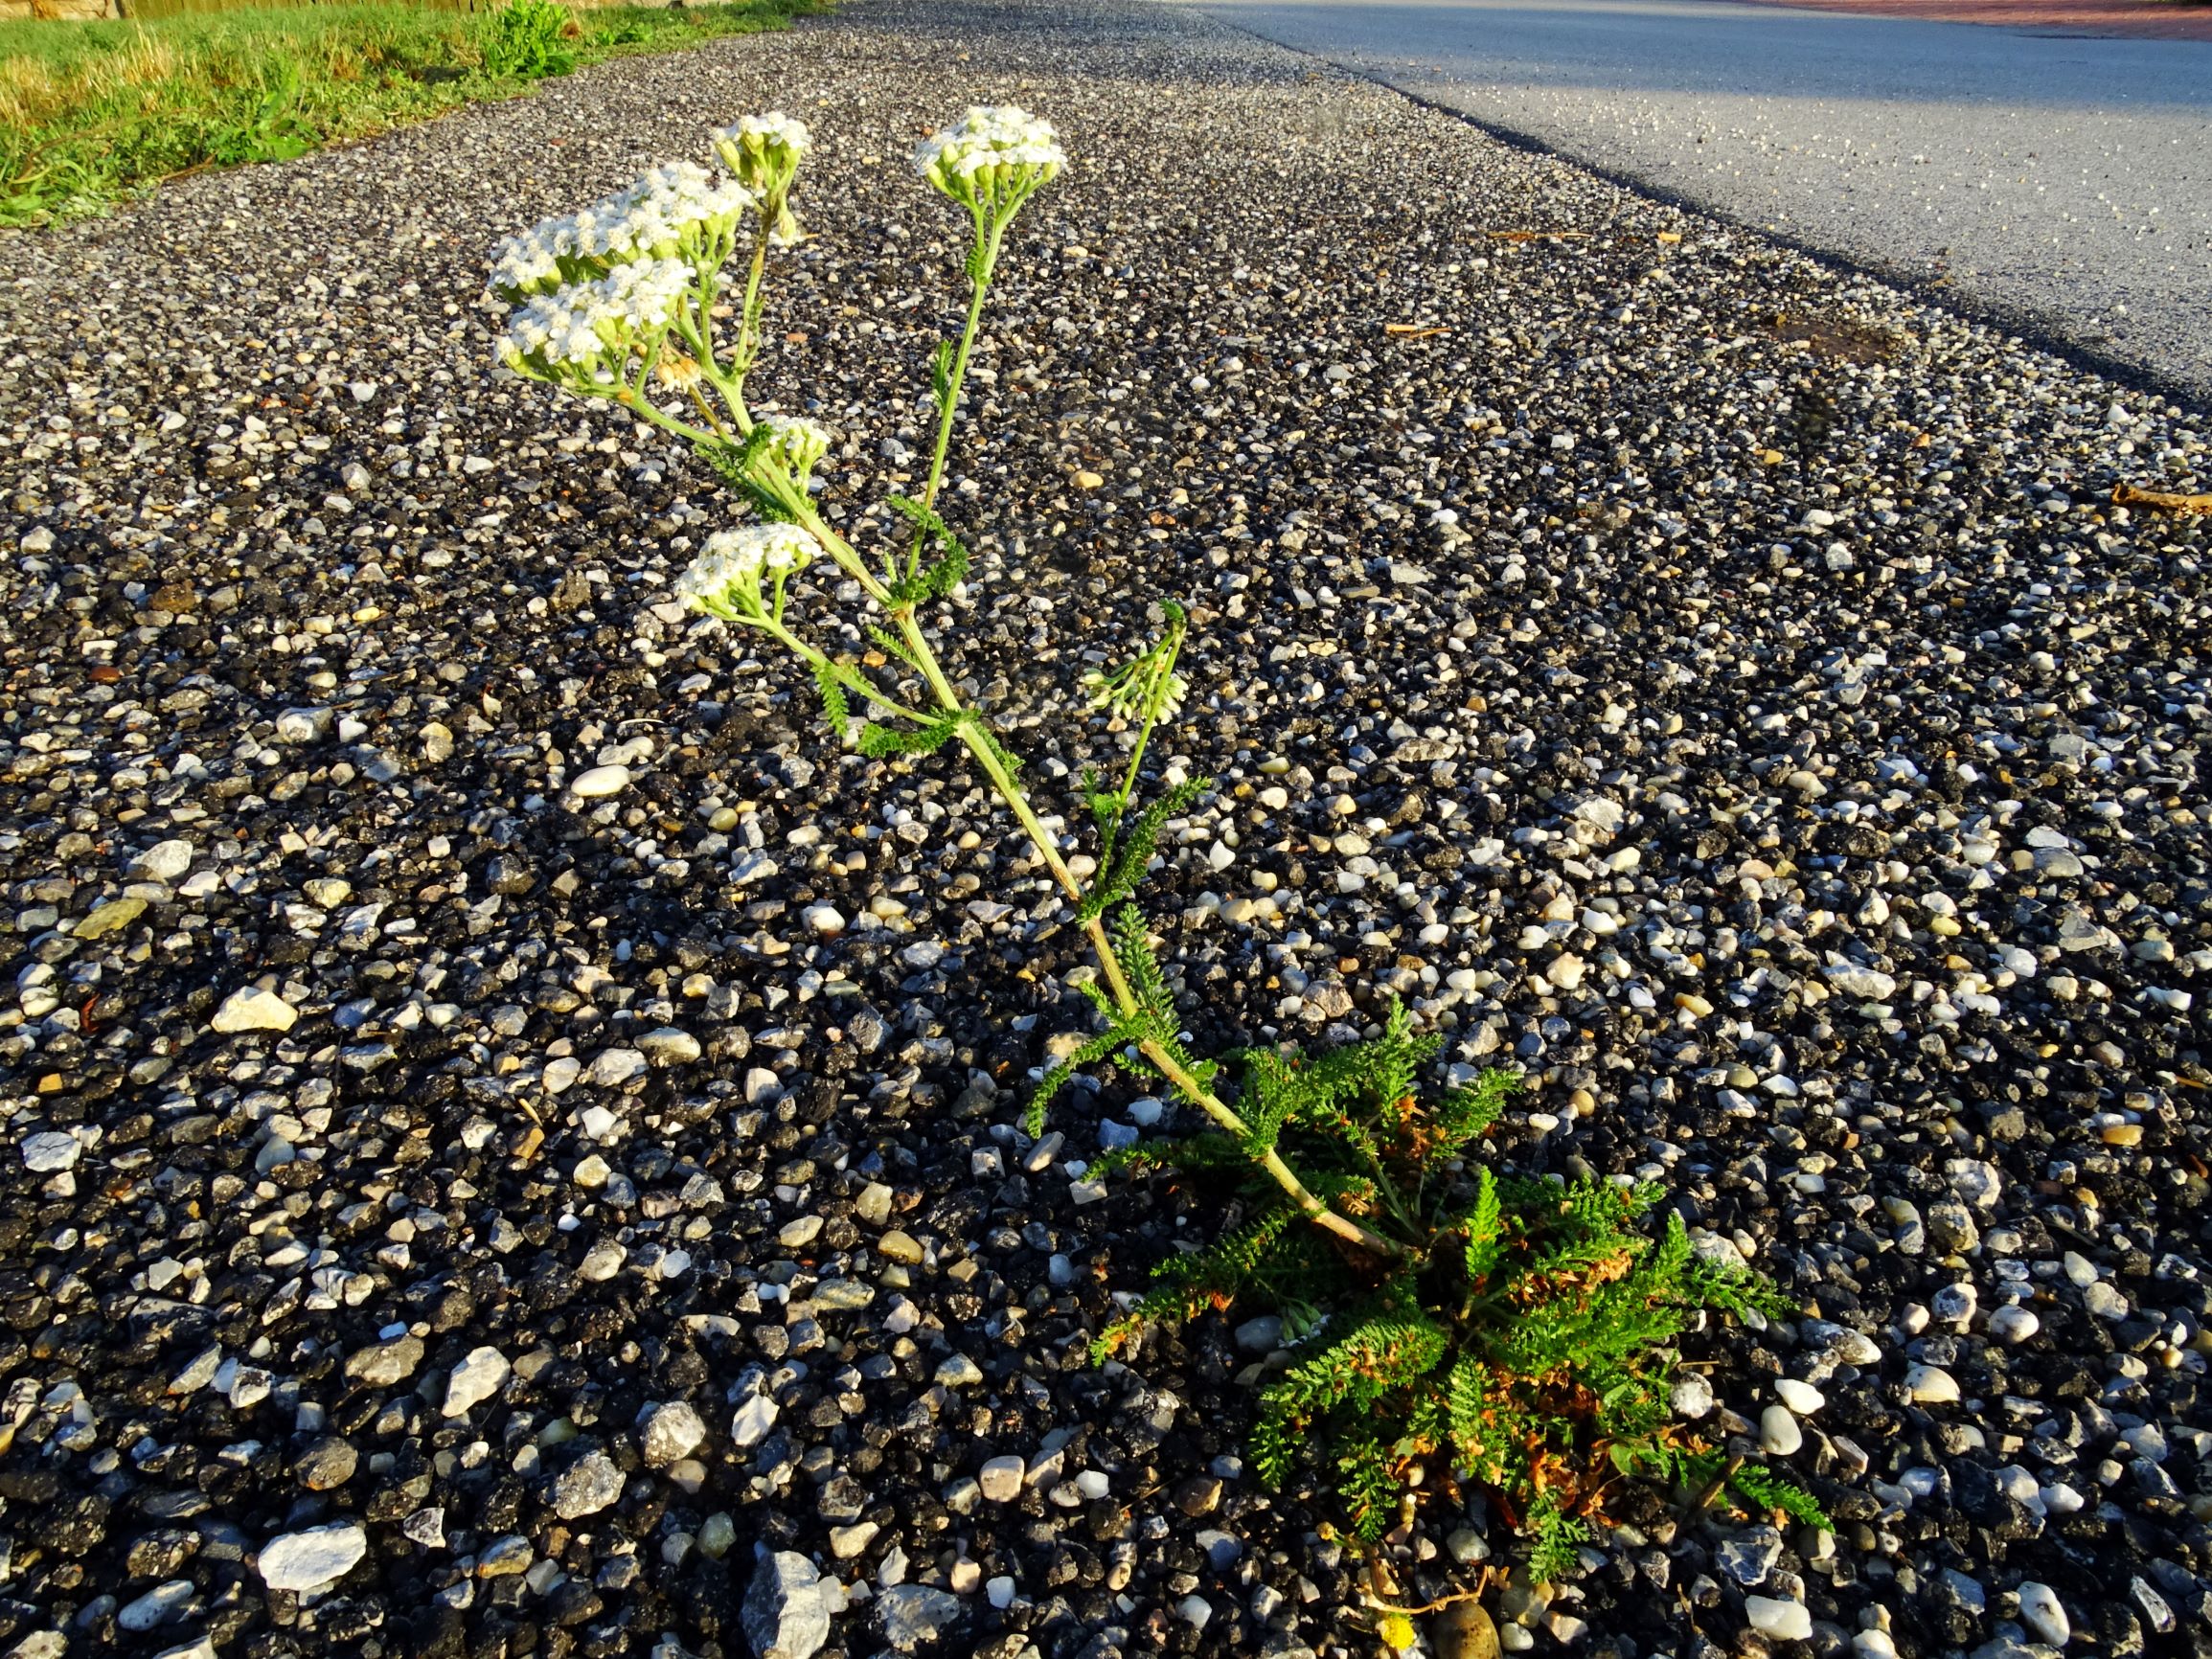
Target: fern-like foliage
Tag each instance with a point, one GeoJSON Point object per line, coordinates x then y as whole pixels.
{"type": "Point", "coordinates": [881, 742]}
{"type": "Point", "coordinates": [1524, 1339]}
{"type": "Point", "coordinates": [1210, 1152]}
{"type": "Point", "coordinates": [741, 466]}
{"type": "Point", "coordinates": [1184, 1285]}
{"type": "Point", "coordinates": [939, 578]}
{"type": "Point", "coordinates": [1127, 860]}
{"type": "Point", "coordinates": [835, 708]}
{"type": "Point", "coordinates": [1556, 1537]}
{"type": "Point", "coordinates": [1768, 1490]}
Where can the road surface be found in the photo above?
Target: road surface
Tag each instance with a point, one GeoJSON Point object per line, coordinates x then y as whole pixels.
{"type": "Point", "coordinates": [2061, 182]}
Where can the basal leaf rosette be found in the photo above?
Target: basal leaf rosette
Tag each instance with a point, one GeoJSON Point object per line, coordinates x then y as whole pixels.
{"type": "Point", "coordinates": [993, 159]}
{"type": "Point", "coordinates": [725, 580]}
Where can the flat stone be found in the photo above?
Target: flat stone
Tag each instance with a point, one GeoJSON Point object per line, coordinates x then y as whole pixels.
{"type": "Point", "coordinates": [163, 861]}
{"type": "Point", "coordinates": [112, 917]}
{"type": "Point", "coordinates": [483, 1373]}
{"type": "Point", "coordinates": [51, 1151]}
{"type": "Point", "coordinates": [386, 1363]}
{"type": "Point", "coordinates": [253, 1010]}
{"type": "Point", "coordinates": [308, 1561]}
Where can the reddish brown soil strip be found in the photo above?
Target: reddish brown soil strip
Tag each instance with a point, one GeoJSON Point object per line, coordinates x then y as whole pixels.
{"type": "Point", "coordinates": [2146, 18]}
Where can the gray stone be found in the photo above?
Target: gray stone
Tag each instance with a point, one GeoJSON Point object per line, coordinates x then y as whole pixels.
{"type": "Point", "coordinates": [913, 1616]}
{"type": "Point", "coordinates": [586, 1486]}
{"type": "Point", "coordinates": [386, 1363]}
{"type": "Point", "coordinates": [672, 1432]}
{"type": "Point", "coordinates": [788, 1608]}
{"type": "Point", "coordinates": [309, 1559]}
{"type": "Point", "coordinates": [483, 1373]}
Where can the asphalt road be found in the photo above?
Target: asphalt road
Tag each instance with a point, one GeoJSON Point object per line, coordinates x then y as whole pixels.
{"type": "Point", "coordinates": [2061, 182]}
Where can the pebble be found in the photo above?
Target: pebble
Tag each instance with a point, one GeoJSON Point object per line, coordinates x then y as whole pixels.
{"type": "Point", "coordinates": [1932, 1385]}
{"type": "Point", "coordinates": [751, 1421]}
{"type": "Point", "coordinates": [2042, 1614]}
{"type": "Point", "coordinates": [586, 1486]}
{"type": "Point", "coordinates": [670, 1432]}
{"type": "Point", "coordinates": [309, 1559]}
{"type": "Point", "coordinates": [787, 1606]}
{"type": "Point", "coordinates": [599, 782]}
{"type": "Point", "coordinates": [50, 1151]}
{"type": "Point", "coordinates": [1784, 1621]}
{"type": "Point", "coordinates": [1779, 1434]}
{"type": "Point", "coordinates": [251, 1008]}
{"type": "Point", "coordinates": [1692, 1396]}
{"type": "Point", "coordinates": [1801, 1397]}
{"type": "Point", "coordinates": [1001, 1478]}
{"type": "Point", "coordinates": [480, 1376]}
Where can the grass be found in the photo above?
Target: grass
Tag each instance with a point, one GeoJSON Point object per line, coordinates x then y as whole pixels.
{"type": "Point", "coordinates": [92, 112]}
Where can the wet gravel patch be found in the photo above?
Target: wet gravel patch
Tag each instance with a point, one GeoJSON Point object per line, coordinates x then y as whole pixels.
{"type": "Point", "coordinates": [452, 1211]}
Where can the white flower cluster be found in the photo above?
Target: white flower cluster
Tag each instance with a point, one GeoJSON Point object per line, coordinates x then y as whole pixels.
{"type": "Point", "coordinates": [577, 326]}
{"type": "Point", "coordinates": [798, 443]}
{"type": "Point", "coordinates": [992, 154]}
{"type": "Point", "coordinates": [1127, 691]}
{"type": "Point", "coordinates": [760, 138]}
{"type": "Point", "coordinates": [725, 580]}
{"type": "Point", "coordinates": [678, 210]}
{"type": "Point", "coordinates": [763, 152]}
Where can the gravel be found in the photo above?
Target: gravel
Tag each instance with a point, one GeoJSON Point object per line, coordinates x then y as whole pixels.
{"type": "Point", "coordinates": [603, 1255]}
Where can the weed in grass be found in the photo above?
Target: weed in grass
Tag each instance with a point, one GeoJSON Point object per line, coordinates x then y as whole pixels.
{"type": "Point", "coordinates": [530, 40]}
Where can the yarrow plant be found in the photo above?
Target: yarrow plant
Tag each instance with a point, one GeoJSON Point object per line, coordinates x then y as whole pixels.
{"type": "Point", "coordinates": [1448, 1324]}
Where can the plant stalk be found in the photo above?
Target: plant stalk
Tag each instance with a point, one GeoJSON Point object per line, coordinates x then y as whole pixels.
{"type": "Point", "coordinates": [986, 261]}
{"type": "Point", "coordinates": [968, 724]}
{"type": "Point", "coordinates": [1124, 998]}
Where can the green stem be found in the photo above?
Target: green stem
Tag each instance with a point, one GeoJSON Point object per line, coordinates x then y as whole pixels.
{"type": "Point", "coordinates": [749, 314]}
{"type": "Point", "coordinates": [1144, 737]}
{"type": "Point", "coordinates": [985, 262]}
{"type": "Point", "coordinates": [1124, 998]}
{"type": "Point", "coordinates": [849, 679]}
{"type": "Point", "coordinates": [638, 403]}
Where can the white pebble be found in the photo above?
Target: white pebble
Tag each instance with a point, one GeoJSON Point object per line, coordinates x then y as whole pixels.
{"type": "Point", "coordinates": [601, 781]}
{"type": "Point", "coordinates": [1801, 1397]}
{"type": "Point", "coordinates": [2041, 1613]}
{"type": "Point", "coordinates": [1785, 1620]}
{"type": "Point", "coordinates": [1779, 1435]}
{"type": "Point", "coordinates": [1932, 1385]}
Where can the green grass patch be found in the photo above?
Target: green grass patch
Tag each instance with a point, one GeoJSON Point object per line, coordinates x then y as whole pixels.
{"type": "Point", "coordinates": [91, 112]}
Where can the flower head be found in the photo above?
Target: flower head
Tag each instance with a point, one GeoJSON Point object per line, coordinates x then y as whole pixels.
{"type": "Point", "coordinates": [725, 580]}
{"type": "Point", "coordinates": [676, 211]}
{"type": "Point", "coordinates": [583, 329]}
{"type": "Point", "coordinates": [991, 158]}
{"type": "Point", "coordinates": [797, 443]}
{"type": "Point", "coordinates": [1147, 687]}
{"type": "Point", "coordinates": [764, 151]}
